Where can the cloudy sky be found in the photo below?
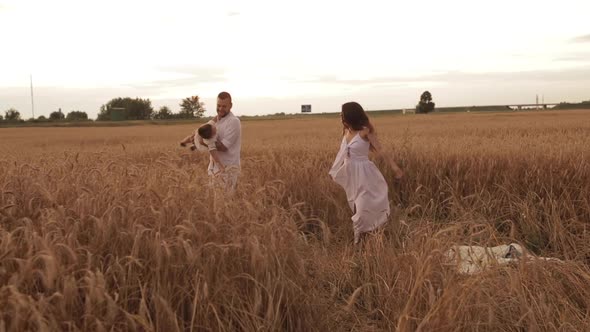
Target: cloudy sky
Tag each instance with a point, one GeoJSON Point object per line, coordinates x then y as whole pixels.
{"type": "Point", "coordinates": [274, 56]}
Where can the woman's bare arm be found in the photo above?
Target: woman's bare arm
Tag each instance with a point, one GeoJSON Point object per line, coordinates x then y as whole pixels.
{"type": "Point", "coordinates": [380, 153]}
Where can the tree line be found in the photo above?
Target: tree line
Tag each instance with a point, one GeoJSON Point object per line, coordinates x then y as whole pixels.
{"type": "Point", "coordinates": [565, 105]}
{"type": "Point", "coordinates": [120, 109]}
{"type": "Point", "coordinates": [13, 115]}
{"type": "Point", "coordinates": [141, 109]}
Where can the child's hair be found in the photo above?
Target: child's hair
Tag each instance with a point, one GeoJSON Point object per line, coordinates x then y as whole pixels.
{"type": "Point", "coordinates": [205, 131]}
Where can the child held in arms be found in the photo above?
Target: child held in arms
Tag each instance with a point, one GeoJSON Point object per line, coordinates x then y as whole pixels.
{"type": "Point", "coordinates": [205, 135]}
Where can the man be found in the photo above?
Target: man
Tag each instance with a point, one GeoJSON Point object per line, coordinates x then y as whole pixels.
{"type": "Point", "coordinates": [229, 141]}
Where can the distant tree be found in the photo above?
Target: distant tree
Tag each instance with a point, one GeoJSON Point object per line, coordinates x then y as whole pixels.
{"type": "Point", "coordinates": [425, 105]}
{"type": "Point", "coordinates": [77, 116]}
{"type": "Point", "coordinates": [164, 113]}
{"type": "Point", "coordinates": [566, 105]}
{"type": "Point", "coordinates": [12, 115]}
{"type": "Point", "coordinates": [1, 118]}
{"type": "Point", "coordinates": [42, 118]}
{"type": "Point", "coordinates": [192, 107]}
{"type": "Point", "coordinates": [57, 115]}
{"type": "Point", "coordinates": [136, 109]}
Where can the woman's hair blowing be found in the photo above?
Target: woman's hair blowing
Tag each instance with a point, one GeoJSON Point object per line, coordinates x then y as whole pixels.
{"type": "Point", "coordinates": [354, 117]}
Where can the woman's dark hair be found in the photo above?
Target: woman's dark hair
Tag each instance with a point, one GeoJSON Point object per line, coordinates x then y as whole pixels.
{"type": "Point", "coordinates": [205, 131]}
{"type": "Point", "coordinates": [354, 117]}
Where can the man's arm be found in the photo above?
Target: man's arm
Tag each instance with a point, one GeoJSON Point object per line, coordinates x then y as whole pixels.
{"type": "Point", "coordinates": [215, 157]}
{"type": "Point", "coordinates": [220, 146]}
{"type": "Point", "coordinates": [230, 136]}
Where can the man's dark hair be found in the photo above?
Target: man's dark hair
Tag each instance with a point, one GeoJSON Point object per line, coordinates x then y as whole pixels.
{"type": "Point", "coordinates": [205, 131]}
{"type": "Point", "coordinates": [224, 95]}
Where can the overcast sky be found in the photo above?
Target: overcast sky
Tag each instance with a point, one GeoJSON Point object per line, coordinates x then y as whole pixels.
{"type": "Point", "coordinates": [273, 56]}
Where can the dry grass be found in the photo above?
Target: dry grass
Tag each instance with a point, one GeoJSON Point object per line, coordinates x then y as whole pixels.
{"type": "Point", "coordinates": [112, 229]}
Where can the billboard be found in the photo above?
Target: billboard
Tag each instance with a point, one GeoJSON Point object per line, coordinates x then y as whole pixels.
{"type": "Point", "coordinates": [118, 113]}
{"type": "Point", "coordinates": [305, 108]}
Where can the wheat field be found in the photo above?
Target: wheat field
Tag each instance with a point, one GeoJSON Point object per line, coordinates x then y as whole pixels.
{"type": "Point", "coordinates": [114, 229]}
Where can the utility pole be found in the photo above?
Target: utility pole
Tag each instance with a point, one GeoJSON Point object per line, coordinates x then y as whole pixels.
{"type": "Point", "coordinates": [32, 100]}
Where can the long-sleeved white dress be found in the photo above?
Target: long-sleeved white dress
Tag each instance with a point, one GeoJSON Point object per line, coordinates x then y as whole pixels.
{"type": "Point", "coordinates": [365, 186]}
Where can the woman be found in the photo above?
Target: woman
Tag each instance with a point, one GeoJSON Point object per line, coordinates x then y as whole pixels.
{"type": "Point", "coordinates": [365, 186]}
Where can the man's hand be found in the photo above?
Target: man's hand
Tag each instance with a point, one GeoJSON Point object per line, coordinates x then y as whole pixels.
{"type": "Point", "coordinates": [220, 146]}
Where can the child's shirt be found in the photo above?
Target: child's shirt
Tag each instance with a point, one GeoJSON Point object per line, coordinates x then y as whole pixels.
{"type": "Point", "coordinates": [210, 142]}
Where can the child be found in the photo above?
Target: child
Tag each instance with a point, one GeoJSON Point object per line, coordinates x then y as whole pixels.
{"type": "Point", "coordinates": [207, 136]}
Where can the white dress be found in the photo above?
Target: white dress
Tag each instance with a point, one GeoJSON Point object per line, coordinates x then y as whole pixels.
{"type": "Point", "coordinates": [364, 184]}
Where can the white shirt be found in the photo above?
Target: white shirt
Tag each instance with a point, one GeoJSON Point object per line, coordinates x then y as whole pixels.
{"type": "Point", "coordinates": [210, 142]}
{"type": "Point", "coordinates": [229, 133]}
